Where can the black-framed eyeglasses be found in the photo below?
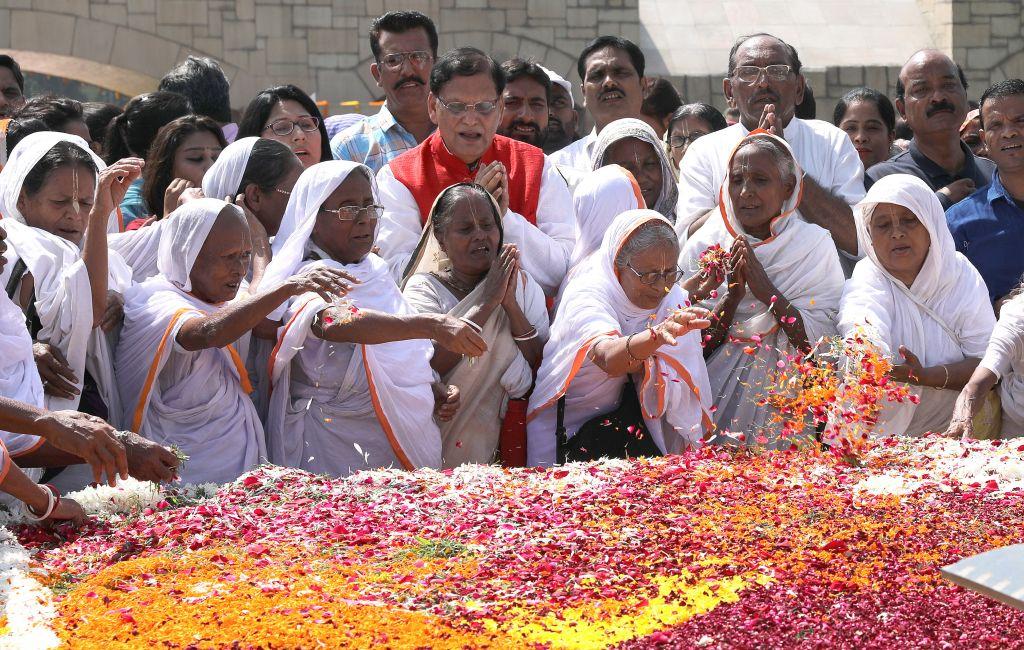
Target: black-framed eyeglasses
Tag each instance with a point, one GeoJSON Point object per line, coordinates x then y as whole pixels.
{"type": "Point", "coordinates": [285, 126]}
{"type": "Point", "coordinates": [419, 58]}
{"type": "Point", "coordinates": [680, 141]}
{"type": "Point", "coordinates": [749, 74]}
{"type": "Point", "coordinates": [458, 108]}
{"type": "Point", "coordinates": [353, 212]}
{"type": "Point", "coordinates": [650, 277]}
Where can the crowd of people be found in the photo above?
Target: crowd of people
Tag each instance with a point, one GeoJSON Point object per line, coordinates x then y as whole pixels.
{"type": "Point", "coordinates": [465, 277]}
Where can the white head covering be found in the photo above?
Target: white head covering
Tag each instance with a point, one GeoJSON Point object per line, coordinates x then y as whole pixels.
{"type": "Point", "coordinates": [25, 157]}
{"type": "Point", "coordinates": [602, 195]}
{"type": "Point", "coordinates": [559, 80]}
{"type": "Point", "coordinates": [311, 190]}
{"type": "Point", "coordinates": [633, 128]}
{"type": "Point", "coordinates": [183, 236]}
{"type": "Point", "coordinates": [224, 177]}
{"type": "Point", "coordinates": [594, 306]}
{"type": "Point", "coordinates": [943, 317]}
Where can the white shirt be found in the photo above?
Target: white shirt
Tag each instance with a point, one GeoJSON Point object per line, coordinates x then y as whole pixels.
{"type": "Point", "coordinates": [823, 151]}
{"type": "Point", "coordinates": [577, 154]}
{"type": "Point", "coordinates": [544, 248]}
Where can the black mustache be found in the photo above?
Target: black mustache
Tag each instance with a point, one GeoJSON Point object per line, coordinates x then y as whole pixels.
{"type": "Point", "coordinates": [613, 89]}
{"type": "Point", "coordinates": [941, 106]}
{"type": "Point", "coordinates": [412, 78]}
{"type": "Point", "coordinates": [517, 122]}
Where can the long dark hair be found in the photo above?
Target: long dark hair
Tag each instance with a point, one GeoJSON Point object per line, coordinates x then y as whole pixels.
{"type": "Point", "coordinates": [262, 105]}
{"type": "Point", "coordinates": [159, 170]}
{"type": "Point", "coordinates": [132, 132]}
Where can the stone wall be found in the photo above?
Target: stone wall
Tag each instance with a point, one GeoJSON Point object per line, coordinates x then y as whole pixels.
{"type": "Point", "coordinates": [988, 41]}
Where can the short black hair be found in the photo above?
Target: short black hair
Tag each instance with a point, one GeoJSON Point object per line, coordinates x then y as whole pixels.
{"type": "Point", "coordinates": [864, 94]}
{"type": "Point", "coordinates": [202, 80]}
{"type": "Point", "coordinates": [901, 91]}
{"type": "Point", "coordinates": [132, 132]}
{"type": "Point", "coordinates": [794, 58]}
{"type": "Point", "coordinates": [18, 130]}
{"type": "Point", "coordinates": [53, 111]}
{"type": "Point", "coordinates": [701, 111]}
{"type": "Point", "coordinates": [399, 22]}
{"type": "Point", "coordinates": [1005, 88]}
{"type": "Point", "coordinates": [269, 162]}
{"type": "Point", "coordinates": [262, 105]}
{"type": "Point", "coordinates": [807, 109]}
{"type": "Point", "coordinates": [465, 62]}
{"type": "Point", "coordinates": [517, 67]}
{"type": "Point", "coordinates": [636, 55]}
{"type": "Point", "coordinates": [661, 99]}
{"type": "Point", "coordinates": [98, 117]}
{"type": "Point", "coordinates": [12, 65]}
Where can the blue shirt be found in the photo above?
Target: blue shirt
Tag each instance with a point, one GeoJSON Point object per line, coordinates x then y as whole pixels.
{"type": "Point", "coordinates": [133, 205]}
{"type": "Point", "coordinates": [375, 141]}
{"type": "Point", "coordinates": [915, 163]}
{"type": "Point", "coordinates": [988, 228]}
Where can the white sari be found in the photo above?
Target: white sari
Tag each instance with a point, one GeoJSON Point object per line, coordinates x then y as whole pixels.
{"type": "Point", "coordinates": [337, 408]}
{"type": "Point", "coordinates": [944, 317]}
{"type": "Point", "coordinates": [673, 388]}
{"type": "Point", "coordinates": [63, 291]}
{"type": "Point", "coordinates": [198, 401]}
{"type": "Point", "coordinates": [19, 378]}
{"type": "Point", "coordinates": [800, 260]}
{"type": "Point", "coordinates": [485, 383]}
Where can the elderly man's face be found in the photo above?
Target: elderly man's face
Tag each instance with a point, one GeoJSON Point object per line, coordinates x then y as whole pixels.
{"type": "Point", "coordinates": [467, 132]}
{"type": "Point", "coordinates": [934, 101]}
{"type": "Point", "coordinates": [752, 90]}
{"type": "Point", "coordinates": [612, 87]}
{"type": "Point", "coordinates": [11, 97]}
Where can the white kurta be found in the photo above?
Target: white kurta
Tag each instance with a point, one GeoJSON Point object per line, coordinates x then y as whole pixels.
{"type": "Point", "coordinates": [823, 151]}
{"type": "Point", "coordinates": [576, 155]}
{"type": "Point", "coordinates": [544, 248]}
{"type": "Point", "coordinates": [1005, 357]}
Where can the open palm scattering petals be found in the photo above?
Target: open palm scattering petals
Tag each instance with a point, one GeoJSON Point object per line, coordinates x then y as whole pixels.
{"type": "Point", "coordinates": [714, 548]}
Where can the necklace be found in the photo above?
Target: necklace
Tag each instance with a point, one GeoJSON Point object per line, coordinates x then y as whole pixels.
{"type": "Point", "coordinates": [451, 280]}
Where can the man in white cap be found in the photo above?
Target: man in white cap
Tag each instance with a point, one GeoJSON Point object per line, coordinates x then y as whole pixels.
{"type": "Point", "coordinates": [561, 131]}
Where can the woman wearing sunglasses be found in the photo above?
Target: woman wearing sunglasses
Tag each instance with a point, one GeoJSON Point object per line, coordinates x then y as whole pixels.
{"type": "Point", "coordinates": [288, 115]}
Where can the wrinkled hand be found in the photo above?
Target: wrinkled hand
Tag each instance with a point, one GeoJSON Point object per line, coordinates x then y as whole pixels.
{"type": "Point", "coordinates": [681, 322]}
{"type": "Point", "coordinates": [702, 284]}
{"type": "Point", "coordinates": [113, 183]}
{"type": "Point", "coordinates": [508, 301]}
{"type": "Point", "coordinates": [736, 276]}
{"type": "Point", "coordinates": [148, 461]}
{"type": "Point", "coordinates": [958, 190]}
{"type": "Point", "coordinates": [58, 378]}
{"type": "Point", "coordinates": [68, 510]}
{"type": "Point", "coordinates": [910, 371]}
{"type": "Point", "coordinates": [961, 425]}
{"type": "Point", "coordinates": [114, 313]}
{"type": "Point", "coordinates": [494, 179]}
{"type": "Point", "coordinates": [256, 228]}
{"type": "Point", "coordinates": [89, 438]}
{"type": "Point", "coordinates": [329, 283]}
{"type": "Point", "coordinates": [172, 195]}
{"type": "Point", "coordinates": [497, 279]}
{"type": "Point", "coordinates": [446, 401]}
{"type": "Point", "coordinates": [753, 272]}
{"type": "Point", "coordinates": [455, 335]}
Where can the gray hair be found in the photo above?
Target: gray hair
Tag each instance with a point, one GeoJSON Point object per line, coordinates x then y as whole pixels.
{"type": "Point", "coordinates": [647, 236]}
{"type": "Point", "coordinates": [783, 158]}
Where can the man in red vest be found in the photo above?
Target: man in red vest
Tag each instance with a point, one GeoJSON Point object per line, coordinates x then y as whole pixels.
{"type": "Point", "coordinates": [465, 103]}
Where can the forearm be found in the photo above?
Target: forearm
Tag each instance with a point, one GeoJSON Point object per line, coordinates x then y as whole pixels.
{"type": "Point", "coordinates": [22, 488]}
{"type": "Point", "coordinates": [625, 354]}
{"type": "Point", "coordinates": [532, 349]}
{"type": "Point", "coordinates": [721, 321]}
{"type": "Point", "coordinates": [47, 455]}
{"type": "Point", "coordinates": [19, 417]}
{"type": "Point", "coordinates": [953, 376]}
{"type": "Point", "coordinates": [444, 360]}
{"type": "Point", "coordinates": [261, 255]}
{"type": "Point", "coordinates": [372, 327]}
{"type": "Point", "coordinates": [833, 214]}
{"type": "Point", "coordinates": [94, 255]}
{"type": "Point", "coordinates": [791, 322]}
{"type": "Point", "coordinates": [981, 382]}
{"type": "Point", "coordinates": [227, 325]}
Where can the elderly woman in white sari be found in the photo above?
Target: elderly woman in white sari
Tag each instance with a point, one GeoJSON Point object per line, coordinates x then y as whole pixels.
{"type": "Point", "coordinates": [633, 145]}
{"type": "Point", "coordinates": [352, 385]}
{"type": "Point", "coordinates": [783, 286]}
{"type": "Point", "coordinates": [58, 201]}
{"type": "Point", "coordinates": [461, 268]}
{"type": "Point", "coordinates": [180, 355]}
{"type": "Point", "coordinates": [922, 303]}
{"type": "Point", "coordinates": [623, 316]}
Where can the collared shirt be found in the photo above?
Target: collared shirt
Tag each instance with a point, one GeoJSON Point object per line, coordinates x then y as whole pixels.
{"type": "Point", "coordinates": [988, 228]}
{"type": "Point", "coordinates": [576, 155]}
{"type": "Point", "coordinates": [913, 162]}
{"type": "Point", "coordinates": [375, 141]}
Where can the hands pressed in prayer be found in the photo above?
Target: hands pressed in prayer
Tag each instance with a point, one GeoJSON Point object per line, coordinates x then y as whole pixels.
{"type": "Point", "coordinates": [58, 378]}
{"type": "Point", "coordinates": [494, 179]}
{"type": "Point", "coordinates": [497, 281]}
{"type": "Point", "coordinates": [113, 183]}
{"type": "Point", "coordinates": [114, 314]}
{"type": "Point", "coordinates": [911, 371]}
{"type": "Point", "coordinates": [770, 121]}
{"type": "Point", "coordinates": [329, 283]}
{"type": "Point", "coordinates": [446, 400]}
{"type": "Point", "coordinates": [753, 271]}
{"type": "Point", "coordinates": [173, 194]}
{"type": "Point", "coordinates": [91, 439]}
{"type": "Point", "coordinates": [508, 300]}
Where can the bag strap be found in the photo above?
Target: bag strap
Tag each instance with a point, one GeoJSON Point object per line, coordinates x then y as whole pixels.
{"type": "Point", "coordinates": [17, 272]}
{"type": "Point", "coordinates": [561, 449]}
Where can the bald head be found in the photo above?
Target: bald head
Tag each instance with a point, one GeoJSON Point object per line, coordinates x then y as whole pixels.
{"type": "Point", "coordinates": [763, 70]}
{"type": "Point", "coordinates": [931, 93]}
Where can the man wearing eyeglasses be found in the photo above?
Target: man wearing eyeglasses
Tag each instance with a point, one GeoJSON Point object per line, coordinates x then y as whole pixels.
{"type": "Point", "coordinates": [466, 87]}
{"type": "Point", "coordinates": [404, 46]}
{"type": "Point", "coordinates": [765, 84]}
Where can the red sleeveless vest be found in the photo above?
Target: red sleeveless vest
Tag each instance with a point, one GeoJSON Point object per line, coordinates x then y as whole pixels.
{"type": "Point", "coordinates": [430, 167]}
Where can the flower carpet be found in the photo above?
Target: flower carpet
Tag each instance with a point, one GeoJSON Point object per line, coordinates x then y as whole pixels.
{"type": "Point", "coordinates": [711, 549]}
